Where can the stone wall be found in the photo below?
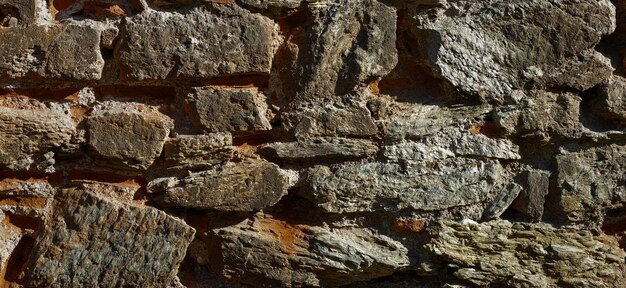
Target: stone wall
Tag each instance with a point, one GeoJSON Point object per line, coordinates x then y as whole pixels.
{"type": "Point", "coordinates": [312, 143]}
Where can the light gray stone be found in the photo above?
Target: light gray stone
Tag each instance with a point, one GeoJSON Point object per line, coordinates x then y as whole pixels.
{"type": "Point", "coordinates": [422, 186]}
{"type": "Point", "coordinates": [502, 202]}
{"type": "Point", "coordinates": [532, 198]}
{"type": "Point", "coordinates": [340, 116]}
{"type": "Point", "coordinates": [249, 185]}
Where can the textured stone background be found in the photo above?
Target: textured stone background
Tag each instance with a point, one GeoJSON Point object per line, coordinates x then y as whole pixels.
{"type": "Point", "coordinates": [297, 143]}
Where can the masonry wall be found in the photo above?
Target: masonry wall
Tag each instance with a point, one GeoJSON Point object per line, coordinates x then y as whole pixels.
{"type": "Point", "coordinates": [312, 143]}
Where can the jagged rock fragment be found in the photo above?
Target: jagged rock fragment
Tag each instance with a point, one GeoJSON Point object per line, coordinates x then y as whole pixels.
{"type": "Point", "coordinates": [244, 186]}
{"type": "Point", "coordinates": [425, 185]}
{"type": "Point", "coordinates": [197, 151]}
{"type": "Point", "coordinates": [590, 182]}
{"type": "Point", "coordinates": [494, 47]}
{"type": "Point", "coordinates": [527, 255]}
{"type": "Point", "coordinates": [9, 239]}
{"type": "Point", "coordinates": [29, 198]}
{"type": "Point", "coordinates": [229, 109]}
{"type": "Point", "coordinates": [611, 100]}
{"type": "Point", "coordinates": [341, 46]}
{"type": "Point", "coordinates": [127, 135]}
{"type": "Point", "coordinates": [200, 43]}
{"type": "Point", "coordinates": [321, 148]}
{"type": "Point", "coordinates": [532, 198]}
{"type": "Point", "coordinates": [68, 51]}
{"type": "Point", "coordinates": [267, 252]}
{"type": "Point", "coordinates": [502, 202]}
{"type": "Point", "coordinates": [93, 240]}
{"type": "Point", "coordinates": [29, 130]}
{"type": "Point", "coordinates": [543, 113]}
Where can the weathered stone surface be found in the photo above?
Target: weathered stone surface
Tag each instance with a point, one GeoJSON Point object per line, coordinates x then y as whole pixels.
{"type": "Point", "coordinates": [29, 198]}
{"type": "Point", "coordinates": [9, 238]}
{"type": "Point", "coordinates": [29, 130]}
{"type": "Point", "coordinates": [416, 121]}
{"type": "Point", "coordinates": [451, 142]}
{"type": "Point", "coordinates": [197, 151]}
{"type": "Point", "coordinates": [502, 202]}
{"type": "Point", "coordinates": [342, 46]}
{"type": "Point", "coordinates": [611, 99]}
{"type": "Point", "coordinates": [591, 181]}
{"type": "Point", "coordinates": [425, 185]}
{"type": "Point", "coordinates": [200, 43]}
{"type": "Point", "coordinates": [128, 135]}
{"type": "Point", "coordinates": [528, 255]}
{"type": "Point", "coordinates": [267, 252]}
{"type": "Point", "coordinates": [532, 198]}
{"type": "Point", "coordinates": [67, 51]}
{"type": "Point", "coordinates": [504, 46]}
{"type": "Point", "coordinates": [245, 186]}
{"type": "Point", "coordinates": [229, 109]}
{"type": "Point", "coordinates": [543, 114]}
{"type": "Point", "coordinates": [17, 12]}
{"type": "Point", "coordinates": [128, 245]}
{"type": "Point", "coordinates": [321, 148]}
{"type": "Point", "coordinates": [342, 116]}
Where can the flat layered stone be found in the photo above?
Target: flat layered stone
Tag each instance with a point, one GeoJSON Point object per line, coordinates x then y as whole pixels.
{"type": "Point", "coordinates": [197, 151]}
{"type": "Point", "coordinates": [125, 244]}
{"type": "Point", "coordinates": [200, 43]}
{"type": "Point", "coordinates": [269, 252]}
{"type": "Point", "coordinates": [127, 135]}
{"type": "Point", "coordinates": [339, 116]}
{"type": "Point", "coordinates": [29, 130]}
{"type": "Point", "coordinates": [244, 186]}
{"type": "Point", "coordinates": [321, 148]}
{"type": "Point", "coordinates": [229, 109]}
{"type": "Point", "coordinates": [488, 254]}
{"type": "Point", "coordinates": [420, 186]}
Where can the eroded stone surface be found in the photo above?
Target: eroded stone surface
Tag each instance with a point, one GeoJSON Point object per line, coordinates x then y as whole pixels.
{"type": "Point", "coordinates": [200, 43]}
{"type": "Point", "coordinates": [29, 130]}
{"type": "Point", "coordinates": [321, 148]}
{"type": "Point", "coordinates": [485, 254]}
{"type": "Point", "coordinates": [611, 101]}
{"type": "Point", "coordinates": [229, 109]}
{"type": "Point", "coordinates": [591, 181]}
{"type": "Point", "coordinates": [425, 185]}
{"type": "Point", "coordinates": [82, 221]}
{"type": "Point", "coordinates": [128, 135]}
{"type": "Point", "coordinates": [245, 186]}
{"type": "Point", "coordinates": [197, 151]}
{"type": "Point", "coordinates": [66, 51]}
{"type": "Point", "coordinates": [268, 252]}
{"type": "Point", "coordinates": [344, 117]}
